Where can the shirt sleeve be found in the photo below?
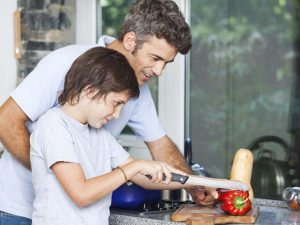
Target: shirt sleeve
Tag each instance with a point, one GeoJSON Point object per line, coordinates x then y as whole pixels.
{"type": "Point", "coordinates": [39, 91]}
{"type": "Point", "coordinates": [53, 141]}
{"type": "Point", "coordinates": [144, 120]}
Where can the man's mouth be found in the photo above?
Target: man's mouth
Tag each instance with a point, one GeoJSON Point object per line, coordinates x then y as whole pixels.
{"type": "Point", "coordinates": [148, 76]}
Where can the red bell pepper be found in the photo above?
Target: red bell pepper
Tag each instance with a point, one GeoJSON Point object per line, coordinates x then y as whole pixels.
{"type": "Point", "coordinates": [234, 202]}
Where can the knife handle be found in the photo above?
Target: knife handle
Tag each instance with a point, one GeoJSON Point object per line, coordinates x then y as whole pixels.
{"type": "Point", "coordinates": [175, 177]}
{"type": "Point", "coordinates": [179, 178]}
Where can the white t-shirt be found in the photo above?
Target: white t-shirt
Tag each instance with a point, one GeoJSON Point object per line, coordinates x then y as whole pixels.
{"type": "Point", "coordinates": [58, 137]}
{"type": "Point", "coordinates": [37, 94]}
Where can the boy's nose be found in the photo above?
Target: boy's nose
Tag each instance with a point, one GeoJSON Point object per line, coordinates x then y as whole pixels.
{"type": "Point", "coordinates": [116, 114]}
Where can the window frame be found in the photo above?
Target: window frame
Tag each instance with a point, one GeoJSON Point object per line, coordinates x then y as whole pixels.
{"type": "Point", "coordinates": [86, 21]}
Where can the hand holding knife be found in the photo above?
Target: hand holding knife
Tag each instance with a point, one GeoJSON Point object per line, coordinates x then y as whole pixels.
{"type": "Point", "coordinates": [207, 182]}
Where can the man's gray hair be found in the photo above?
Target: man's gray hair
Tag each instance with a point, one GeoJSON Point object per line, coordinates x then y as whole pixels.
{"type": "Point", "coordinates": [160, 18]}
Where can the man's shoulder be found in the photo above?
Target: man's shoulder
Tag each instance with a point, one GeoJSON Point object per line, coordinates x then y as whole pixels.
{"type": "Point", "coordinates": [145, 90]}
{"type": "Point", "coordinates": [59, 60]}
{"type": "Point", "coordinates": [71, 51]}
{"type": "Point", "coordinates": [145, 95]}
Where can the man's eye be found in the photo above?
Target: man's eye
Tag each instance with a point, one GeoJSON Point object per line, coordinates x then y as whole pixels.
{"type": "Point", "coordinates": [117, 104]}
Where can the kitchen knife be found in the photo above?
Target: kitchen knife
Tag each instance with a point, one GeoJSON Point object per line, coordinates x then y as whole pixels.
{"type": "Point", "coordinates": [207, 182]}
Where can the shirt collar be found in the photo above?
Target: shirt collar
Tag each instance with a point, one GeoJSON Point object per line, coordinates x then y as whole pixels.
{"type": "Point", "coordinates": [105, 40]}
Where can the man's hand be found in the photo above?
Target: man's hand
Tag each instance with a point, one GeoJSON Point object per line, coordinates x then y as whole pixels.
{"type": "Point", "coordinates": [203, 195]}
{"type": "Point", "coordinates": [165, 150]}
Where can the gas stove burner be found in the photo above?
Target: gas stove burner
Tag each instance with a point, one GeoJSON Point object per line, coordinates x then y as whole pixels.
{"type": "Point", "coordinates": [148, 208]}
{"type": "Point", "coordinates": [161, 206]}
{"type": "Point", "coordinates": [176, 204]}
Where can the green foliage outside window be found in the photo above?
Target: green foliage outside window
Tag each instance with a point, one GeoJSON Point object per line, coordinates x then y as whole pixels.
{"type": "Point", "coordinates": [241, 74]}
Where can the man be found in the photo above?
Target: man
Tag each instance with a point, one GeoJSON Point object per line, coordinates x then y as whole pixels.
{"type": "Point", "coordinates": [154, 31]}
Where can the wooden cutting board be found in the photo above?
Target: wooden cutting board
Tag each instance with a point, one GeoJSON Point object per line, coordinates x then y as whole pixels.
{"type": "Point", "coordinates": [198, 212]}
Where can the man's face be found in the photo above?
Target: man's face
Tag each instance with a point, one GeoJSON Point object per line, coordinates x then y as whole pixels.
{"type": "Point", "coordinates": [150, 60]}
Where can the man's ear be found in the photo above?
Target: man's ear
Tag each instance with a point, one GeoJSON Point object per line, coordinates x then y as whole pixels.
{"type": "Point", "coordinates": [129, 41]}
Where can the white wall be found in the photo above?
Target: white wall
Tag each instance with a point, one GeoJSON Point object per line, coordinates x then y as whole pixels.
{"type": "Point", "coordinates": [86, 22]}
{"type": "Point", "coordinates": [8, 71]}
{"type": "Point", "coordinates": [172, 95]}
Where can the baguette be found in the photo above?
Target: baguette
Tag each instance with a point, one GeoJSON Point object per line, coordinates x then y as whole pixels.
{"type": "Point", "coordinates": [242, 169]}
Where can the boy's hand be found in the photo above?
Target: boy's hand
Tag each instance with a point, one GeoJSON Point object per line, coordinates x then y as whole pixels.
{"type": "Point", "coordinates": [159, 171]}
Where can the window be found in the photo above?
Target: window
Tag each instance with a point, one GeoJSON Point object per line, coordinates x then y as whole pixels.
{"type": "Point", "coordinates": [45, 26]}
{"type": "Point", "coordinates": [244, 71]}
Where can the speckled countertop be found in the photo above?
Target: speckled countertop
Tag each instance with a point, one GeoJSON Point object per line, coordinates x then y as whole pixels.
{"type": "Point", "coordinates": [271, 212]}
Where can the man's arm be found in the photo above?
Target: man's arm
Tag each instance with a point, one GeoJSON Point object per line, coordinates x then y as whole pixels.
{"type": "Point", "coordinates": [165, 150]}
{"type": "Point", "coordinates": [13, 132]}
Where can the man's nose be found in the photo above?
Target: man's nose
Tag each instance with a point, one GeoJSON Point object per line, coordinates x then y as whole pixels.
{"type": "Point", "coordinates": [158, 68]}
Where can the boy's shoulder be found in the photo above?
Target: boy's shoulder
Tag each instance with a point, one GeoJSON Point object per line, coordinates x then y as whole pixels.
{"type": "Point", "coordinates": [50, 118]}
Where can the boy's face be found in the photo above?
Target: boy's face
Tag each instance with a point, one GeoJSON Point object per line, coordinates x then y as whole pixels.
{"type": "Point", "coordinates": [104, 109]}
{"type": "Point", "coordinates": [150, 60]}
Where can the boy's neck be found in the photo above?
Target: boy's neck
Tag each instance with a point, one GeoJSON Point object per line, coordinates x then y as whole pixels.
{"type": "Point", "coordinates": [74, 111]}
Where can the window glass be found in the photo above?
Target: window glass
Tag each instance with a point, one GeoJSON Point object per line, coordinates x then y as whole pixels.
{"type": "Point", "coordinates": [45, 26]}
{"type": "Point", "coordinates": [244, 85]}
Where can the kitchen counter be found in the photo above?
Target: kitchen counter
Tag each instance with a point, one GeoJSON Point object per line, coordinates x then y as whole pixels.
{"type": "Point", "coordinates": [271, 212]}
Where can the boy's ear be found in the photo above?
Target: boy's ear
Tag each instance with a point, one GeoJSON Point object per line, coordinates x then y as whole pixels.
{"type": "Point", "coordinates": [129, 41]}
{"type": "Point", "coordinates": [89, 92]}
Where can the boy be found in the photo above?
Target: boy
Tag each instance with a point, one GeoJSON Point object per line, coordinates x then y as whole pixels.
{"type": "Point", "coordinates": [72, 157]}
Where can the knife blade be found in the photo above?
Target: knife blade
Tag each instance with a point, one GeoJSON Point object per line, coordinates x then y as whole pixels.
{"type": "Point", "coordinates": [207, 182]}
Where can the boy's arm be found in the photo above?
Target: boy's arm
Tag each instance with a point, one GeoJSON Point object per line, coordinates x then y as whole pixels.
{"type": "Point", "coordinates": [13, 132]}
{"type": "Point", "coordinates": [87, 191]}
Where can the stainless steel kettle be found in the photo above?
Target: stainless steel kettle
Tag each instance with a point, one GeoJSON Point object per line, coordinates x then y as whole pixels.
{"type": "Point", "coordinates": [270, 176]}
{"type": "Point", "coordinates": [291, 196]}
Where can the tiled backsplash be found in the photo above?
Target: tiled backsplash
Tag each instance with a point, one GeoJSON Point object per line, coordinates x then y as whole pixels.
{"type": "Point", "coordinates": [45, 26]}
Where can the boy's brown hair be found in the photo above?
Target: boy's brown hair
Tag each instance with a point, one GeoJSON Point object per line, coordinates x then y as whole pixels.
{"type": "Point", "coordinates": [101, 69]}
